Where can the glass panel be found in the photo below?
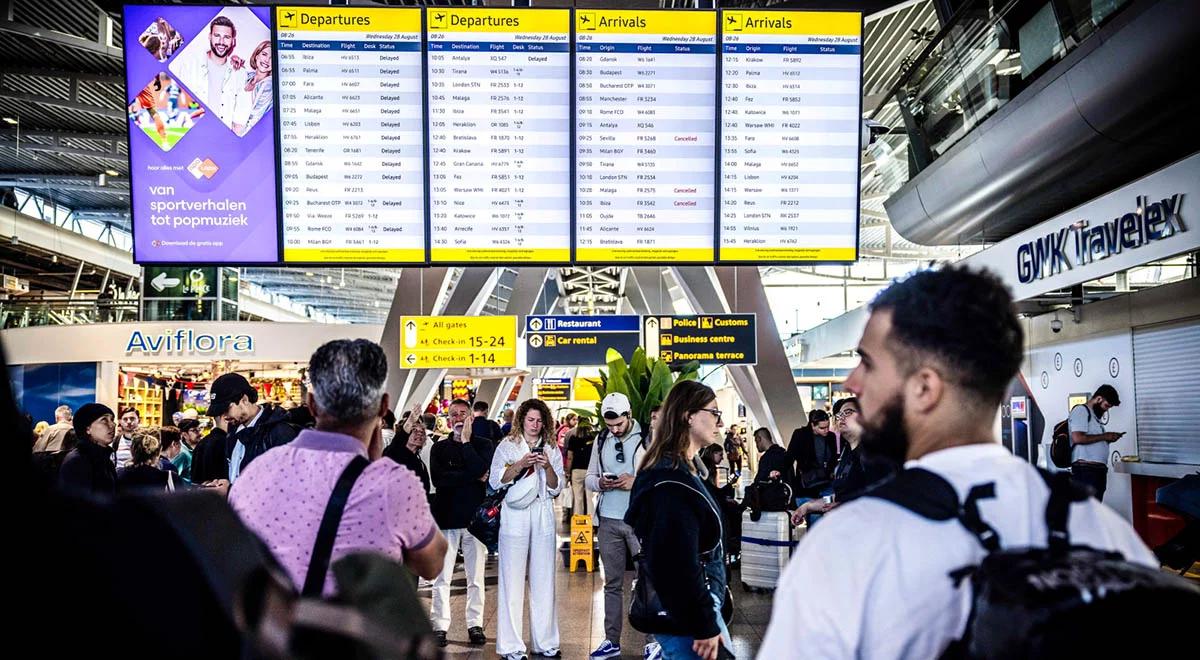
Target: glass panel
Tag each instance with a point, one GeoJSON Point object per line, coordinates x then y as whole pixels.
{"type": "Point", "coordinates": [180, 310]}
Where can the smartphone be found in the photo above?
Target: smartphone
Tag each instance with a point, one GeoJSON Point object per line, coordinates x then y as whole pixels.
{"type": "Point", "coordinates": [829, 499]}
{"type": "Point", "coordinates": [609, 476]}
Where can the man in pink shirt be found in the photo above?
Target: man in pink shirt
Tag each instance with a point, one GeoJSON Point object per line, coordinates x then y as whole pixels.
{"type": "Point", "coordinates": [282, 495]}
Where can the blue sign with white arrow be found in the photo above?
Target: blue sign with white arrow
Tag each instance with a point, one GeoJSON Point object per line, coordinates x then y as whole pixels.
{"type": "Point", "coordinates": [580, 341]}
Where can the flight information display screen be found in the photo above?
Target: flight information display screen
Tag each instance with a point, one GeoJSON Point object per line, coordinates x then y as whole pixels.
{"type": "Point", "coordinates": [790, 132]}
{"type": "Point", "coordinates": [499, 135]}
{"type": "Point", "coordinates": [352, 144]}
{"type": "Point", "coordinates": [645, 136]}
{"type": "Point", "coordinates": [493, 136]}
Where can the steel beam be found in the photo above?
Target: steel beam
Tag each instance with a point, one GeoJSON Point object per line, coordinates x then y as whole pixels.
{"type": "Point", "coordinates": [60, 38]}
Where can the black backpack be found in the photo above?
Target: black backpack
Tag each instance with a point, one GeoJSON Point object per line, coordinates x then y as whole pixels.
{"type": "Point", "coordinates": [1060, 441]}
{"type": "Point", "coordinates": [772, 495]}
{"type": "Point", "coordinates": [1060, 601]}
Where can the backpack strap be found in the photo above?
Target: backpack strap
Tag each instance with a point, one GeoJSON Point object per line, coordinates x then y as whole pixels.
{"type": "Point", "coordinates": [599, 448]}
{"type": "Point", "coordinates": [318, 564]}
{"type": "Point", "coordinates": [930, 496]}
{"type": "Point", "coordinates": [1063, 493]}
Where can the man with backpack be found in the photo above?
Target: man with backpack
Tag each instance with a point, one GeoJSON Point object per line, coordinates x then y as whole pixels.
{"type": "Point", "coordinates": [616, 456]}
{"type": "Point", "coordinates": [881, 577]}
{"type": "Point", "coordinates": [1089, 441]}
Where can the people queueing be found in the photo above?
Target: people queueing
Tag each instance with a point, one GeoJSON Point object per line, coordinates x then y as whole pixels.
{"type": "Point", "coordinates": [680, 526]}
{"type": "Point", "coordinates": [528, 460]}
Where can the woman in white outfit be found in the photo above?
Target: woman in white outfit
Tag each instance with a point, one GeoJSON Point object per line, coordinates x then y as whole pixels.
{"type": "Point", "coordinates": [527, 533]}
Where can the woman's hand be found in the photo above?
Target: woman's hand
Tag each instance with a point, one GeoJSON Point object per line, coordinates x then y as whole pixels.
{"type": "Point", "coordinates": [707, 648]}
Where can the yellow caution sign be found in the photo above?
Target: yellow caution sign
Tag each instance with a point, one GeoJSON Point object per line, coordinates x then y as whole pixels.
{"type": "Point", "coordinates": [581, 543]}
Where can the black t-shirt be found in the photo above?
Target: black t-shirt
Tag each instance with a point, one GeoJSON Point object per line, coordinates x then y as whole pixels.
{"type": "Point", "coordinates": [581, 445]}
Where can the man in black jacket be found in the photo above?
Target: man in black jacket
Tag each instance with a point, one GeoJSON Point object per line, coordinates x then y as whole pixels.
{"type": "Point", "coordinates": [259, 427]}
{"type": "Point", "coordinates": [773, 461]}
{"type": "Point", "coordinates": [89, 467]}
{"type": "Point", "coordinates": [458, 466]}
{"type": "Point", "coordinates": [813, 452]}
{"type": "Point", "coordinates": [210, 458]}
{"type": "Point", "coordinates": [406, 450]}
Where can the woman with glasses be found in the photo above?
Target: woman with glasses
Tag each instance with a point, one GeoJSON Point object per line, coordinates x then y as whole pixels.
{"type": "Point", "coordinates": [529, 461]}
{"type": "Point", "coordinates": [680, 528]}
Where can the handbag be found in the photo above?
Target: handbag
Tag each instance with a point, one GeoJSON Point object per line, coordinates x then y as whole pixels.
{"type": "Point", "coordinates": [646, 611]}
{"type": "Point", "coordinates": [485, 524]}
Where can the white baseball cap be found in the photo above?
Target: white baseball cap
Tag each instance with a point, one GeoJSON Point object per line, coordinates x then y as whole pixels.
{"type": "Point", "coordinates": [614, 405]}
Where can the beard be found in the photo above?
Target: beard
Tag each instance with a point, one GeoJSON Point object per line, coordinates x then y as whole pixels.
{"type": "Point", "coordinates": [219, 50]}
{"type": "Point", "coordinates": [1097, 411]}
{"type": "Point", "coordinates": [884, 436]}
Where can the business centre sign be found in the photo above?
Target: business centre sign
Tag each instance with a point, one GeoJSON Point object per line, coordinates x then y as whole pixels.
{"type": "Point", "coordinates": [1081, 243]}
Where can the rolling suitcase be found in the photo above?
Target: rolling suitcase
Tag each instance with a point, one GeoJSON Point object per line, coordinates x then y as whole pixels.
{"type": "Point", "coordinates": [767, 546]}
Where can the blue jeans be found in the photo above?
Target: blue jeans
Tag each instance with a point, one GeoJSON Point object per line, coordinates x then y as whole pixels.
{"type": "Point", "coordinates": [812, 518]}
{"type": "Point", "coordinates": [679, 647]}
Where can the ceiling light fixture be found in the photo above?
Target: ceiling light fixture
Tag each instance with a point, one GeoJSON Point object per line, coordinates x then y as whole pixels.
{"type": "Point", "coordinates": [112, 172]}
{"type": "Point", "coordinates": [10, 120]}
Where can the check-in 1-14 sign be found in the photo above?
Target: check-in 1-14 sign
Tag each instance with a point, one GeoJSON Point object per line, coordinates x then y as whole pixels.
{"type": "Point", "coordinates": [447, 342]}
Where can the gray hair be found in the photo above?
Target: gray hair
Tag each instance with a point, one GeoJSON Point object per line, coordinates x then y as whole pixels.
{"type": "Point", "coordinates": [347, 378]}
{"type": "Point", "coordinates": [63, 414]}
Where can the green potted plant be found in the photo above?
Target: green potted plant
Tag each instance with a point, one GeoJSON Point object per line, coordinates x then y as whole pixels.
{"type": "Point", "coordinates": [644, 380]}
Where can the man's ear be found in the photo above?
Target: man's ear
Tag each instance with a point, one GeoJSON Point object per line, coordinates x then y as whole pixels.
{"type": "Point", "coordinates": [925, 389]}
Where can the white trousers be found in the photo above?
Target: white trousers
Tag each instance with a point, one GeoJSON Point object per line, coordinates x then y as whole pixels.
{"type": "Point", "coordinates": [474, 556]}
{"type": "Point", "coordinates": [527, 540]}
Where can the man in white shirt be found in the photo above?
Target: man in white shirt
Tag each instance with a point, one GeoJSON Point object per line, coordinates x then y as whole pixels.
{"type": "Point", "coordinates": [127, 425]}
{"type": "Point", "coordinates": [872, 580]}
{"type": "Point", "coordinates": [214, 74]}
{"type": "Point", "coordinates": [1089, 441]}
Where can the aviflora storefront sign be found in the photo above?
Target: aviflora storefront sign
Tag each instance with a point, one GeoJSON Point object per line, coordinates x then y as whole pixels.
{"type": "Point", "coordinates": [187, 342]}
{"type": "Point", "coordinates": [1082, 243]}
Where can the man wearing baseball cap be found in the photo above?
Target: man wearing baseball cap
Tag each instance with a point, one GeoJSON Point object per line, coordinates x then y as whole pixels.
{"type": "Point", "coordinates": [254, 428]}
{"type": "Point", "coordinates": [615, 457]}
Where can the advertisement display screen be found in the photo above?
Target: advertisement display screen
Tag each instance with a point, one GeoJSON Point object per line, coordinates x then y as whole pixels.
{"type": "Point", "coordinates": [645, 136]}
{"type": "Point", "coordinates": [351, 139]}
{"type": "Point", "coordinates": [790, 132]}
{"type": "Point", "coordinates": [499, 135]}
{"type": "Point", "coordinates": [200, 100]}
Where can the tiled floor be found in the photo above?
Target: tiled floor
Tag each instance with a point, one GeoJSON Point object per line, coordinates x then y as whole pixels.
{"type": "Point", "coordinates": [580, 609]}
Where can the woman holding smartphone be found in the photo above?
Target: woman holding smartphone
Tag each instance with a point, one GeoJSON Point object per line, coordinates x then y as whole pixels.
{"type": "Point", "coordinates": [528, 460]}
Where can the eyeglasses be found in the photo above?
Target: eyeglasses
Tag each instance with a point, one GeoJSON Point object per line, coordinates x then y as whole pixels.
{"type": "Point", "coordinates": [843, 414]}
{"type": "Point", "coordinates": [715, 412]}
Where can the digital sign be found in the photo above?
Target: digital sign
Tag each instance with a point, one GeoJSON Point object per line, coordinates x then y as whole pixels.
{"type": "Point", "coordinates": [554, 390]}
{"type": "Point", "coordinates": [201, 134]}
{"type": "Point", "coordinates": [645, 113]}
{"type": "Point", "coordinates": [499, 135]}
{"type": "Point", "coordinates": [351, 139]}
{"type": "Point", "coordinates": [790, 132]}
{"type": "Point", "coordinates": [443, 342]}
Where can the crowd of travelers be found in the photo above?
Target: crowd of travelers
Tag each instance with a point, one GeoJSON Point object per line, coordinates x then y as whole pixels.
{"type": "Point", "coordinates": [342, 476]}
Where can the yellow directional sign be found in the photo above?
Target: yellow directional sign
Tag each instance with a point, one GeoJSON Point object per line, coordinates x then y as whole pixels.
{"type": "Point", "coordinates": [446, 342]}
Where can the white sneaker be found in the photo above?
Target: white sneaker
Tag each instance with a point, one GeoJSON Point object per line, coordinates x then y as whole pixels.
{"type": "Point", "coordinates": [653, 651]}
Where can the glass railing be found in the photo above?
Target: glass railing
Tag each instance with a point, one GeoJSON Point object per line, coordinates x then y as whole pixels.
{"type": "Point", "coordinates": [19, 313]}
{"type": "Point", "coordinates": [988, 53]}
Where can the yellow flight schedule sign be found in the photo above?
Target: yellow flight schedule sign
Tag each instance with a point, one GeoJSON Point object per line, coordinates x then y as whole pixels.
{"type": "Point", "coordinates": [351, 139]}
{"type": "Point", "coordinates": [645, 146]}
{"type": "Point", "coordinates": [790, 133]}
{"type": "Point", "coordinates": [499, 135]}
{"type": "Point", "coordinates": [446, 342]}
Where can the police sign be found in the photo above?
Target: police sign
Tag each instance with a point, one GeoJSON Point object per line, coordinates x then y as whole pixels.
{"type": "Point", "coordinates": [707, 339]}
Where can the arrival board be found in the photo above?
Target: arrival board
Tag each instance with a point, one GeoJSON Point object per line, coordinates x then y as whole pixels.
{"type": "Point", "coordinates": [351, 136]}
{"type": "Point", "coordinates": [499, 135]}
{"type": "Point", "coordinates": [790, 132]}
{"type": "Point", "coordinates": [645, 122]}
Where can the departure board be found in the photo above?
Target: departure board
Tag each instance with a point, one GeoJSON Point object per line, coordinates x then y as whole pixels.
{"type": "Point", "coordinates": [351, 135]}
{"type": "Point", "coordinates": [645, 126]}
{"type": "Point", "coordinates": [499, 135]}
{"type": "Point", "coordinates": [790, 133]}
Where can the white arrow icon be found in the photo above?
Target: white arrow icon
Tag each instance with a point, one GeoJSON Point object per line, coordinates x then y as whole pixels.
{"type": "Point", "coordinates": [410, 334]}
{"type": "Point", "coordinates": [162, 282]}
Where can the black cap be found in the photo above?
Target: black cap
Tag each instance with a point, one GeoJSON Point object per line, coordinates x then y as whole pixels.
{"type": "Point", "coordinates": [225, 391]}
{"type": "Point", "coordinates": [1109, 393]}
{"type": "Point", "coordinates": [88, 413]}
{"type": "Point", "coordinates": [188, 425]}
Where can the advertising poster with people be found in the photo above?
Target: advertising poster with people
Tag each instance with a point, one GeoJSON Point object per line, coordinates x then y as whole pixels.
{"type": "Point", "coordinates": [201, 134]}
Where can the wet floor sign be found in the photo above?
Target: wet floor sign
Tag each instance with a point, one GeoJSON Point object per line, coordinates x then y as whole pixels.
{"type": "Point", "coordinates": [581, 543]}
